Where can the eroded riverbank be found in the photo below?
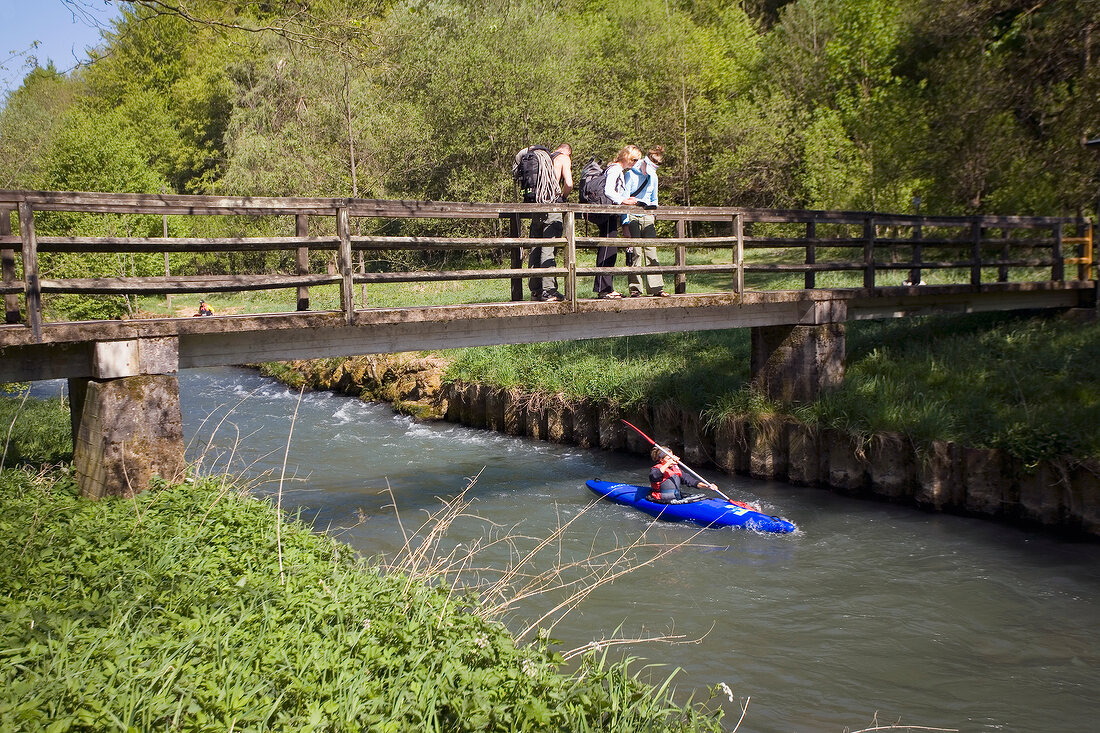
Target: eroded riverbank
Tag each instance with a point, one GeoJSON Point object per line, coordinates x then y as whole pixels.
{"type": "Point", "coordinates": [1061, 495]}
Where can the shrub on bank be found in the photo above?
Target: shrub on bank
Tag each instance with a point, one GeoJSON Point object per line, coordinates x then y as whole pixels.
{"type": "Point", "coordinates": [194, 608]}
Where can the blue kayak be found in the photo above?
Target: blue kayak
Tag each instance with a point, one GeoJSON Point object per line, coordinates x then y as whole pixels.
{"type": "Point", "coordinates": [709, 512]}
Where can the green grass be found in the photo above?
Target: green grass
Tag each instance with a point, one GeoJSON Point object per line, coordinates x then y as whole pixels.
{"type": "Point", "coordinates": [197, 608]}
{"type": "Point", "coordinates": [34, 432]}
{"type": "Point", "coordinates": [1027, 385]}
{"type": "Point", "coordinates": [690, 368]}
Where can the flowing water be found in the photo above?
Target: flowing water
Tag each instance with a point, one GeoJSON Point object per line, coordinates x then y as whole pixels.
{"type": "Point", "coordinates": [870, 613]}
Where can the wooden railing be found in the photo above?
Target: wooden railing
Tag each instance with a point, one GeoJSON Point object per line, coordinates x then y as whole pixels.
{"type": "Point", "coordinates": [734, 249]}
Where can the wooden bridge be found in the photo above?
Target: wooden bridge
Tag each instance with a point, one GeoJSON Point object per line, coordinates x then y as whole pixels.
{"type": "Point", "coordinates": [445, 275]}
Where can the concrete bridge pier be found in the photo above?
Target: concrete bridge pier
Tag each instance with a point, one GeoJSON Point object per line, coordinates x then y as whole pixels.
{"type": "Point", "coordinates": [794, 363]}
{"type": "Point", "coordinates": [126, 420]}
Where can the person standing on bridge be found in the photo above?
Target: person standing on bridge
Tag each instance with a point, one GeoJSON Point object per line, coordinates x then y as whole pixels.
{"type": "Point", "coordinates": [555, 184]}
{"type": "Point", "coordinates": [641, 180]}
{"type": "Point", "coordinates": [615, 190]}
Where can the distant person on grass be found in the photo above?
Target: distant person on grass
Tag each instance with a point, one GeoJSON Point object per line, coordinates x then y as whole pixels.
{"type": "Point", "coordinates": [641, 181]}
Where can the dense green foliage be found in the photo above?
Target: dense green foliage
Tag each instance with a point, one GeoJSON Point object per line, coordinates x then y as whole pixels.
{"type": "Point", "coordinates": [34, 432]}
{"type": "Point", "coordinates": [977, 106]}
{"type": "Point", "coordinates": [1027, 385]}
{"type": "Point", "coordinates": [195, 608]}
{"type": "Point", "coordinates": [969, 106]}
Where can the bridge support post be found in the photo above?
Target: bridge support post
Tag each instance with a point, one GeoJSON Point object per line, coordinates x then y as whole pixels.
{"type": "Point", "coordinates": [794, 363]}
{"type": "Point", "coordinates": [127, 424]}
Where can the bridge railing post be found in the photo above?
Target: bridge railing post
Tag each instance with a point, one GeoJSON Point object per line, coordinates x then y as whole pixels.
{"type": "Point", "coordinates": [30, 270]}
{"type": "Point", "coordinates": [570, 232]}
{"type": "Point", "coordinates": [301, 229]}
{"type": "Point", "coordinates": [739, 253]}
{"type": "Point", "coordinates": [1002, 271]}
{"type": "Point", "coordinates": [918, 253]}
{"type": "Point", "coordinates": [1084, 257]}
{"type": "Point", "coordinates": [681, 257]}
{"type": "Point", "coordinates": [1058, 270]}
{"type": "Point", "coordinates": [516, 258]}
{"type": "Point", "coordinates": [976, 252]}
{"type": "Point", "coordinates": [868, 252]}
{"type": "Point", "coordinates": [343, 230]}
{"type": "Point", "coordinates": [7, 255]}
{"type": "Point", "coordinates": [811, 253]}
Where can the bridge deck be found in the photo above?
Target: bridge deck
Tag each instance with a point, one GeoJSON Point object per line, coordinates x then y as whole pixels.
{"type": "Point", "coordinates": [65, 348]}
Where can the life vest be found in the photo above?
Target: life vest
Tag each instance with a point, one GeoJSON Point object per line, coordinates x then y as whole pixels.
{"type": "Point", "coordinates": [668, 467]}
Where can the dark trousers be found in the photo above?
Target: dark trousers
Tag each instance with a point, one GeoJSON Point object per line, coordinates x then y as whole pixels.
{"type": "Point", "coordinates": [549, 226]}
{"type": "Point", "coordinates": [606, 256]}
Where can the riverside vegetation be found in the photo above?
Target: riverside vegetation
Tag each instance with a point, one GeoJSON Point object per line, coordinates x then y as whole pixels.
{"type": "Point", "coordinates": [1021, 384]}
{"type": "Point", "coordinates": [953, 108]}
{"type": "Point", "coordinates": [195, 607]}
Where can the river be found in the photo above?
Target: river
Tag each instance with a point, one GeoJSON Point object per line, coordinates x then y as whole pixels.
{"type": "Point", "coordinates": [870, 613]}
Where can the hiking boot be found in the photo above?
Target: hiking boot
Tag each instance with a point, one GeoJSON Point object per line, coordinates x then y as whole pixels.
{"type": "Point", "coordinates": [553, 295]}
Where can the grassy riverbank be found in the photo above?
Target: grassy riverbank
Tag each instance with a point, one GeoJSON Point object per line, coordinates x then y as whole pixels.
{"type": "Point", "coordinates": [1027, 385]}
{"type": "Point", "coordinates": [197, 608]}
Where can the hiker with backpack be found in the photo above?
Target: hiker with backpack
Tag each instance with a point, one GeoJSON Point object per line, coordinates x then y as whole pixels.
{"type": "Point", "coordinates": [546, 178]}
{"type": "Point", "coordinates": [612, 192]}
{"type": "Point", "coordinates": [641, 180]}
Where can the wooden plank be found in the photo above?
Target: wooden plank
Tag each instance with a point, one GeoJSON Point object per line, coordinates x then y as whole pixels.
{"type": "Point", "coordinates": [343, 263]}
{"type": "Point", "coordinates": [301, 232]}
{"type": "Point", "coordinates": [516, 257]}
{"type": "Point", "coordinates": [811, 254]}
{"type": "Point", "coordinates": [797, 267]}
{"type": "Point", "coordinates": [7, 268]}
{"type": "Point", "coordinates": [869, 252]}
{"type": "Point", "coordinates": [182, 284]}
{"type": "Point", "coordinates": [162, 204]}
{"type": "Point", "coordinates": [1002, 269]}
{"type": "Point", "coordinates": [681, 257]}
{"type": "Point", "coordinates": [453, 275]}
{"type": "Point", "coordinates": [739, 254]}
{"type": "Point", "coordinates": [183, 244]}
{"type": "Point", "coordinates": [33, 288]}
{"type": "Point", "coordinates": [379, 242]}
{"type": "Point", "coordinates": [917, 241]}
{"type": "Point", "coordinates": [976, 254]}
{"type": "Point", "coordinates": [1058, 271]}
{"type": "Point", "coordinates": [688, 269]}
{"type": "Point", "coordinates": [570, 232]}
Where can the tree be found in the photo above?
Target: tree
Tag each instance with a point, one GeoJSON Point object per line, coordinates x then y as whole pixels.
{"type": "Point", "coordinates": [28, 122]}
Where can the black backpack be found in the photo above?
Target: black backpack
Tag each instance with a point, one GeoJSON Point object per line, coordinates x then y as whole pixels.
{"type": "Point", "coordinates": [525, 170]}
{"type": "Point", "coordinates": [593, 180]}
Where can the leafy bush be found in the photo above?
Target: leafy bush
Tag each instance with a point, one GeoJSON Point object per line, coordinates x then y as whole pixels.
{"type": "Point", "coordinates": [194, 609]}
{"type": "Point", "coordinates": [35, 432]}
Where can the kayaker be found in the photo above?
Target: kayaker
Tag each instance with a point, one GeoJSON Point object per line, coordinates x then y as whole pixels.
{"type": "Point", "coordinates": [666, 478]}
